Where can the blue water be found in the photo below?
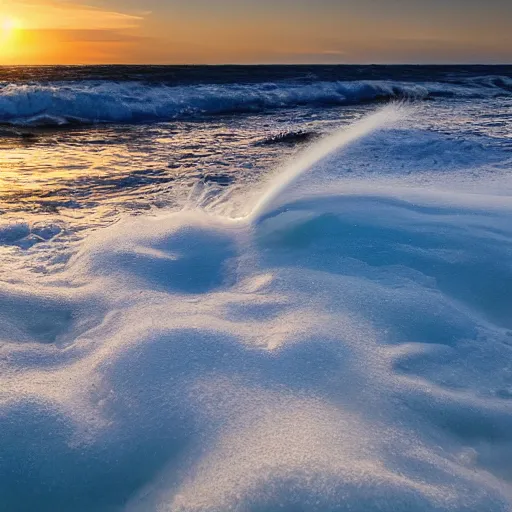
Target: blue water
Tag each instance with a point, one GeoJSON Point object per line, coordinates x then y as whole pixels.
{"type": "Point", "coordinates": [256, 289]}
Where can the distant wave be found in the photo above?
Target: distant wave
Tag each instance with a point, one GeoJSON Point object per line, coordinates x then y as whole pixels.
{"type": "Point", "coordinates": [56, 104]}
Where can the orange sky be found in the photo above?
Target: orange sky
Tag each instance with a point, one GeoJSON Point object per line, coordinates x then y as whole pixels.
{"type": "Point", "coordinates": [250, 31]}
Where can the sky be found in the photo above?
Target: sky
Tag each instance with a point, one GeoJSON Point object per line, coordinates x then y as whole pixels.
{"type": "Point", "coordinates": [254, 31]}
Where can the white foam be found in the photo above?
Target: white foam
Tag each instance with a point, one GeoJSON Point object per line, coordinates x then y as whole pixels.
{"type": "Point", "coordinates": [348, 351]}
{"type": "Point", "coordinates": [302, 163]}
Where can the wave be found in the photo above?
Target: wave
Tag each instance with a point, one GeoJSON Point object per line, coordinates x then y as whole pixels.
{"type": "Point", "coordinates": [317, 153]}
{"type": "Point", "coordinates": [58, 104]}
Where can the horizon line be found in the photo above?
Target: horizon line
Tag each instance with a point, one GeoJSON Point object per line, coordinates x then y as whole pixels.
{"type": "Point", "coordinates": [440, 64]}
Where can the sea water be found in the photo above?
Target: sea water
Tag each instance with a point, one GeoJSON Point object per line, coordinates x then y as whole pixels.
{"type": "Point", "coordinates": [256, 289]}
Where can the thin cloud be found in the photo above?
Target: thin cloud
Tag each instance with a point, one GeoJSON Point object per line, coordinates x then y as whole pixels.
{"type": "Point", "coordinates": [82, 36]}
{"type": "Point", "coordinates": [56, 14]}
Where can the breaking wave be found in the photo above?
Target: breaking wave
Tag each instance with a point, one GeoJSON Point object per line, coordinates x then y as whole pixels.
{"type": "Point", "coordinates": [56, 104]}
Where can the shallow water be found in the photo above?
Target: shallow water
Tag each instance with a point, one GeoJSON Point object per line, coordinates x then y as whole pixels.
{"type": "Point", "coordinates": [196, 316]}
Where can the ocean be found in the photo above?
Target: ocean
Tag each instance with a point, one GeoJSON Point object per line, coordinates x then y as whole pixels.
{"type": "Point", "coordinates": [256, 288]}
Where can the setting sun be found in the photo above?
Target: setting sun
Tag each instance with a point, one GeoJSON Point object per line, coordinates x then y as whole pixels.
{"type": "Point", "coordinates": [10, 39]}
{"type": "Point", "coordinates": [9, 24]}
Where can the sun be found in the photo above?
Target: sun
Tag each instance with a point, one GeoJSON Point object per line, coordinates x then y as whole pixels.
{"type": "Point", "coordinates": [9, 24]}
{"type": "Point", "coordinates": [10, 39]}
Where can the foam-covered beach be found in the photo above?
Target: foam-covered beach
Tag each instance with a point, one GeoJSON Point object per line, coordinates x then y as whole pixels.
{"type": "Point", "coordinates": [325, 326]}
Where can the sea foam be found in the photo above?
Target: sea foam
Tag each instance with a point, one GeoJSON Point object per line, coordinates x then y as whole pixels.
{"type": "Point", "coordinates": [348, 351]}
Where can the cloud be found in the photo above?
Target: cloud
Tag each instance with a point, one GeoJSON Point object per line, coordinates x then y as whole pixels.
{"type": "Point", "coordinates": [66, 15]}
{"type": "Point", "coordinates": [81, 36]}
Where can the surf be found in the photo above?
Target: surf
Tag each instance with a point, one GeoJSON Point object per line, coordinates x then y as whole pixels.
{"type": "Point", "coordinates": [350, 359]}
{"type": "Point", "coordinates": [304, 162]}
